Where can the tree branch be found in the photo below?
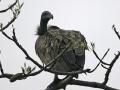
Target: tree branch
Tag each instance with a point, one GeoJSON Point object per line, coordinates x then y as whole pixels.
{"type": "Point", "coordinates": [110, 68]}
{"type": "Point", "coordinates": [22, 76]}
{"type": "Point", "coordinates": [1, 69]}
{"type": "Point", "coordinates": [91, 84]}
{"type": "Point", "coordinates": [11, 6]}
{"type": "Point", "coordinates": [100, 60]}
{"type": "Point", "coordinates": [8, 76]}
{"type": "Point", "coordinates": [94, 52]}
{"type": "Point", "coordinates": [116, 32]}
{"type": "Point", "coordinates": [15, 12]}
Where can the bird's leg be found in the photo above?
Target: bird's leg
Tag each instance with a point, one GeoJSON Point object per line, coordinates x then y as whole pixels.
{"type": "Point", "coordinates": [43, 64]}
{"type": "Point", "coordinates": [55, 81]}
{"type": "Point", "coordinates": [66, 80]}
{"type": "Point", "coordinates": [62, 83]}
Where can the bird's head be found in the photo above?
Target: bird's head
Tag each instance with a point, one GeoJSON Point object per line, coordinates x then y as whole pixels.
{"type": "Point", "coordinates": [46, 16]}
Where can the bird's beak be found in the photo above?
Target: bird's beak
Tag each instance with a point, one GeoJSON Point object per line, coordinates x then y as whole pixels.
{"type": "Point", "coordinates": [52, 16]}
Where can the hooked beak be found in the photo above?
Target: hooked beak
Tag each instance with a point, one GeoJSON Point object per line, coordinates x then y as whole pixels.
{"type": "Point", "coordinates": [52, 16]}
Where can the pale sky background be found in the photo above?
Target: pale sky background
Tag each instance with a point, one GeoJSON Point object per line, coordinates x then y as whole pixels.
{"type": "Point", "coordinates": [93, 18]}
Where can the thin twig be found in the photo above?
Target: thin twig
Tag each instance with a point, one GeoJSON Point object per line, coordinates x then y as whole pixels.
{"type": "Point", "coordinates": [75, 82]}
{"type": "Point", "coordinates": [15, 15]}
{"type": "Point", "coordinates": [99, 58]}
{"type": "Point", "coordinates": [104, 66]}
{"type": "Point", "coordinates": [11, 6]}
{"type": "Point", "coordinates": [95, 68]}
{"type": "Point", "coordinates": [100, 62]}
{"type": "Point", "coordinates": [94, 52]}
{"type": "Point", "coordinates": [110, 68]}
{"type": "Point", "coordinates": [6, 35]}
{"type": "Point", "coordinates": [116, 32]}
{"type": "Point", "coordinates": [1, 69]}
{"type": "Point", "coordinates": [105, 54]}
{"type": "Point", "coordinates": [9, 23]}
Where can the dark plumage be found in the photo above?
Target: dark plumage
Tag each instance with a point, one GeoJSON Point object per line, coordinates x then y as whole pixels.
{"type": "Point", "coordinates": [52, 40]}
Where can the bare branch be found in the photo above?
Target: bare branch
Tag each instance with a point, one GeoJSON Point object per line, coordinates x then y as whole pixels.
{"type": "Point", "coordinates": [110, 68]}
{"type": "Point", "coordinates": [91, 84]}
{"type": "Point", "coordinates": [1, 68]}
{"type": "Point", "coordinates": [8, 76]}
{"type": "Point", "coordinates": [14, 39]}
{"type": "Point", "coordinates": [105, 54]}
{"type": "Point", "coordinates": [6, 36]}
{"type": "Point", "coordinates": [20, 77]}
{"type": "Point", "coordinates": [100, 62]}
{"type": "Point", "coordinates": [95, 68]}
{"type": "Point", "coordinates": [116, 32]}
{"type": "Point", "coordinates": [9, 23]}
{"type": "Point", "coordinates": [15, 12]}
{"type": "Point", "coordinates": [11, 6]}
{"type": "Point", "coordinates": [69, 81]}
{"type": "Point", "coordinates": [99, 58]}
{"type": "Point", "coordinates": [93, 49]}
{"type": "Point", "coordinates": [104, 66]}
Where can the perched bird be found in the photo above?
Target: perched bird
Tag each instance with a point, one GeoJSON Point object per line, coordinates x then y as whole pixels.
{"type": "Point", "coordinates": [52, 40]}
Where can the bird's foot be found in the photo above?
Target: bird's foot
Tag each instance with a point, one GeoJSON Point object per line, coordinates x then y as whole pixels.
{"type": "Point", "coordinates": [54, 83]}
{"type": "Point", "coordinates": [59, 83]}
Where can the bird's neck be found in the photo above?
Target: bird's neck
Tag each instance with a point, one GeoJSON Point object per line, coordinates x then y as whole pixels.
{"type": "Point", "coordinates": [43, 27]}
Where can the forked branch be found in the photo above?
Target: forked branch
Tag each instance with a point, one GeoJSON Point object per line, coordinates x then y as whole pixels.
{"type": "Point", "coordinates": [15, 9]}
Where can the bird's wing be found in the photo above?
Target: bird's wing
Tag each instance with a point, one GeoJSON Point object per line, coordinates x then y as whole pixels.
{"type": "Point", "coordinates": [75, 55]}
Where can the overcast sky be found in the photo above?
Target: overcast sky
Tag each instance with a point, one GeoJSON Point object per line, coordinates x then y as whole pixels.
{"type": "Point", "coordinates": [93, 18]}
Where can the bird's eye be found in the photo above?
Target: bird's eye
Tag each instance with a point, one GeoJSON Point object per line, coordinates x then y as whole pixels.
{"type": "Point", "coordinates": [45, 14]}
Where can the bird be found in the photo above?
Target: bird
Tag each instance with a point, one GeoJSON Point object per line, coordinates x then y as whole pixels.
{"type": "Point", "coordinates": [52, 40]}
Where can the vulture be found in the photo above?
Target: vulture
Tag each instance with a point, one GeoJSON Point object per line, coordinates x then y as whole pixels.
{"type": "Point", "coordinates": [52, 40]}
